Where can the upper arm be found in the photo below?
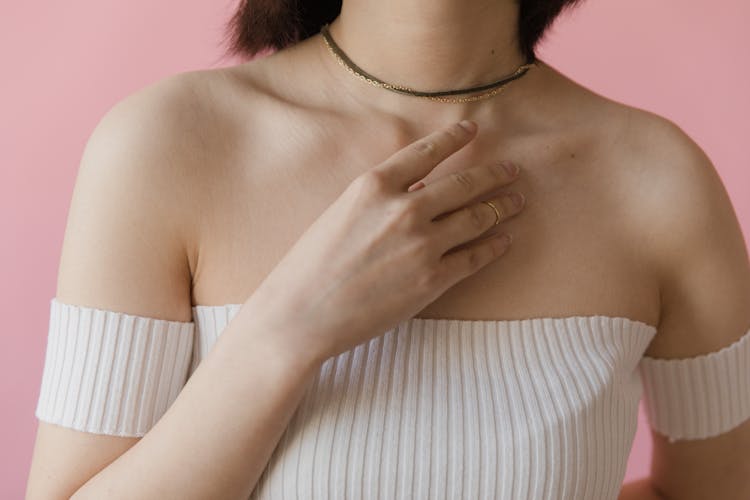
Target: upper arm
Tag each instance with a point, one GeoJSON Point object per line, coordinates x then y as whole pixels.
{"type": "Point", "coordinates": [704, 274]}
{"type": "Point", "coordinates": [124, 249]}
{"type": "Point", "coordinates": [125, 243]}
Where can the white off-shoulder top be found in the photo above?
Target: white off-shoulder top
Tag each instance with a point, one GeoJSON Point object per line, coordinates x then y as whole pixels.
{"type": "Point", "coordinates": [536, 408]}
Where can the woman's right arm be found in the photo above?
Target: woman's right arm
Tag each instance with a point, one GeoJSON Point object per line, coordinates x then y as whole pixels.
{"type": "Point", "coordinates": [124, 250]}
{"type": "Point", "coordinates": [216, 437]}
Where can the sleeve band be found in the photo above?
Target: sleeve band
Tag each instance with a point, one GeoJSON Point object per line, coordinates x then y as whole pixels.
{"type": "Point", "coordinates": [698, 397]}
{"type": "Point", "coordinates": [109, 372]}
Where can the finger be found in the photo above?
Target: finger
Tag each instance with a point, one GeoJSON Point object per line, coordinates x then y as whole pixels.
{"type": "Point", "coordinates": [460, 264]}
{"type": "Point", "coordinates": [416, 160]}
{"type": "Point", "coordinates": [474, 220]}
{"type": "Point", "coordinates": [457, 189]}
{"type": "Point", "coordinates": [414, 187]}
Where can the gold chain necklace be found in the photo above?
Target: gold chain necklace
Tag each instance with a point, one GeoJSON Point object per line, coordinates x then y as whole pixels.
{"type": "Point", "coordinates": [494, 87]}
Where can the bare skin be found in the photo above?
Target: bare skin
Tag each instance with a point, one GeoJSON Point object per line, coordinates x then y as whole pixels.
{"type": "Point", "coordinates": [620, 205]}
{"type": "Point", "coordinates": [594, 173]}
{"type": "Point", "coordinates": [572, 254]}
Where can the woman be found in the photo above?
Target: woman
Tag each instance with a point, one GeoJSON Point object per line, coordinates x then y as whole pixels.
{"type": "Point", "coordinates": [314, 253]}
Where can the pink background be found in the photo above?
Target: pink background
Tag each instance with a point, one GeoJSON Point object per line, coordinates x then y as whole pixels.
{"type": "Point", "coordinates": [66, 64]}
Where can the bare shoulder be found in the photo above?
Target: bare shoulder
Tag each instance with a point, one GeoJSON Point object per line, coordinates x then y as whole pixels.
{"type": "Point", "coordinates": [154, 141]}
{"type": "Point", "coordinates": [677, 192]}
{"type": "Point", "coordinates": [674, 213]}
{"type": "Point", "coordinates": [136, 184]}
{"type": "Point", "coordinates": [161, 124]}
{"type": "Point", "coordinates": [685, 225]}
{"type": "Point", "coordinates": [182, 127]}
{"type": "Point", "coordinates": [174, 114]}
{"type": "Point", "coordinates": [667, 192]}
{"type": "Point", "coordinates": [667, 165]}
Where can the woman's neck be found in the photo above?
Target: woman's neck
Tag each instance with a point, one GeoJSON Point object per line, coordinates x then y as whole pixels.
{"type": "Point", "coordinates": [431, 44]}
{"type": "Point", "coordinates": [427, 45]}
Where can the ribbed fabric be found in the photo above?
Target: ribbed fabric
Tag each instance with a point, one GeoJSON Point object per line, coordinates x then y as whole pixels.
{"type": "Point", "coordinates": [457, 409]}
{"type": "Point", "coordinates": [108, 372]}
{"type": "Point", "coordinates": [699, 397]}
{"type": "Point", "coordinates": [537, 408]}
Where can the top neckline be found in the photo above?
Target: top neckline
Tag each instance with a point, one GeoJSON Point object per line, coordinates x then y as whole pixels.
{"type": "Point", "coordinates": [534, 320]}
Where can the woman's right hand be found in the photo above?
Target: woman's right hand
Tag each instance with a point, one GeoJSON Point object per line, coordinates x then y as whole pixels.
{"type": "Point", "coordinates": [380, 252]}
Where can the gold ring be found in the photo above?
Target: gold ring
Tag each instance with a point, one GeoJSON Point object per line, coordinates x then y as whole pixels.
{"type": "Point", "coordinates": [497, 214]}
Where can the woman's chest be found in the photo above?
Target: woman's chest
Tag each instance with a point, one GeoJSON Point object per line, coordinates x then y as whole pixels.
{"type": "Point", "coordinates": [538, 408]}
{"type": "Point", "coordinates": [574, 251]}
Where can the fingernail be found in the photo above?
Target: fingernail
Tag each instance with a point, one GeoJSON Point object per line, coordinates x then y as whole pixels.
{"type": "Point", "coordinates": [510, 167]}
{"type": "Point", "coordinates": [414, 187]}
{"type": "Point", "coordinates": [505, 239]}
{"type": "Point", "coordinates": [517, 198]}
{"type": "Point", "coordinates": [468, 125]}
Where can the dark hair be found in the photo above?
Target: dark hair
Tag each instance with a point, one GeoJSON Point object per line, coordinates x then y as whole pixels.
{"type": "Point", "coordinates": [258, 25]}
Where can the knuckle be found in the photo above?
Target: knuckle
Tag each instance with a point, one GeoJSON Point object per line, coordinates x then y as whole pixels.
{"type": "Point", "coordinates": [464, 181]}
{"type": "Point", "coordinates": [474, 259]}
{"type": "Point", "coordinates": [498, 250]}
{"type": "Point", "coordinates": [421, 252]}
{"type": "Point", "coordinates": [476, 217]}
{"type": "Point", "coordinates": [429, 278]}
{"type": "Point", "coordinates": [408, 213]}
{"type": "Point", "coordinates": [373, 181]}
{"type": "Point", "coordinates": [454, 132]}
{"type": "Point", "coordinates": [426, 148]}
{"type": "Point", "coordinates": [499, 173]}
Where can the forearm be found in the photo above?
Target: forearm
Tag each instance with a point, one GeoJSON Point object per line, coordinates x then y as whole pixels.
{"type": "Point", "coordinates": [641, 489]}
{"type": "Point", "coordinates": [216, 438]}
